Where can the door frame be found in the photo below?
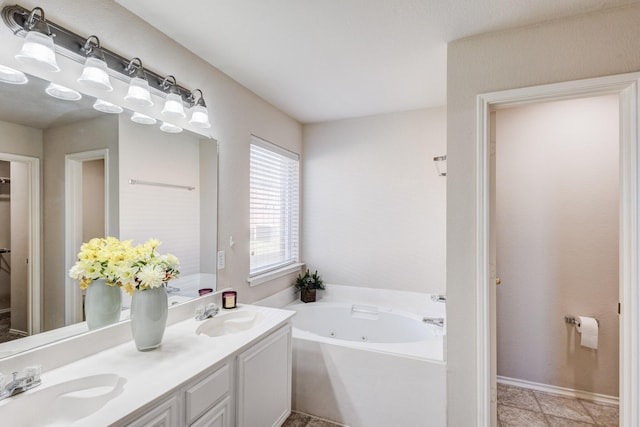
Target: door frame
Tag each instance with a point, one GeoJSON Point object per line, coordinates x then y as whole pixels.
{"type": "Point", "coordinates": [73, 223]}
{"type": "Point", "coordinates": [34, 270]}
{"type": "Point", "coordinates": [626, 87]}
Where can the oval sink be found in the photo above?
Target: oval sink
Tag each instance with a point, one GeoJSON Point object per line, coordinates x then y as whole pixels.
{"type": "Point", "coordinates": [229, 323]}
{"type": "Point", "coordinates": [64, 403]}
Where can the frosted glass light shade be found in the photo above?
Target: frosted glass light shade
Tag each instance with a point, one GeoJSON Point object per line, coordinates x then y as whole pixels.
{"type": "Point", "coordinates": [200, 117]}
{"type": "Point", "coordinates": [173, 106]}
{"type": "Point", "coordinates": [107, 107]}
{"type": "Point", "coordinates": [170, 128]}
{"type": "Point", "coordinates": [62, 92]}
{"type": "Point", "coordinates": [95, 74]}
{"type": "Point", "coordinates": [143, 119]}
{"type": "Point", "coordinates": [12, 76]}
{"type": "Point", "coordinates": [38, 49]}
{"type": "Point", "coordinates": [138, 93]}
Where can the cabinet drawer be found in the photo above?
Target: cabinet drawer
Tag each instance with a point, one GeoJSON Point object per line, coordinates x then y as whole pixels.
{"type": "Point", "coordinates": [205, 393]}
{"type": "Point", "coordinates": [163, 415]}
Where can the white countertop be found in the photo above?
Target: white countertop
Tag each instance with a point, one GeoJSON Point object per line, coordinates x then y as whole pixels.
{"type": "Point", "coordinates": [150, 375]}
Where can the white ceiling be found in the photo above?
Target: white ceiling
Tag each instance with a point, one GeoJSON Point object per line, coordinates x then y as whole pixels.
{"type": "Point", "coordinates": [320, 60]}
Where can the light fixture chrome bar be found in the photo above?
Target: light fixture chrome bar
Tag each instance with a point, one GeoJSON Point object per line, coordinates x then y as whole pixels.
{"type": "Point", "coordinates": [161, 184]}
{"type": "Point", "coordinates": [71, 45]}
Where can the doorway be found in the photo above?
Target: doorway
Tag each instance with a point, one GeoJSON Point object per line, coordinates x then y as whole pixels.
{"type": "Point", "coordinates": [86, 215]}
{"type": "Point", "coordinates": [556, 232]}
{"type": "Point", "coordinates": [20, 246]}
{"type": "Point", "coordinates": [626, 87]}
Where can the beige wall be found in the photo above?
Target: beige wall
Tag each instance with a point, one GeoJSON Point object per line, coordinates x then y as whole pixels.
{"type": "Point", "coordinates": [568, 49]}
{"type": "Point", "coordinates": [92, 199]}
{"type": "Point", "coordinates": [557, 241]}
{"type": "Point", "coordinates": [373, 204]}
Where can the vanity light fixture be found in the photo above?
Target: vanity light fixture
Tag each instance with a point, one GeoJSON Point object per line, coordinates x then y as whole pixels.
{"type": "Point", "coordinates": [38, 44]}
{"type": "Point", "coordinates": [138, 93]}
{"type": "Point", "coordinates": [107, 107]}
{"type": "Point", "coordinates": [143, 119]}
{"type": "Point", "coordinates": [199, 112]}
{"type": "Point", "coordinates": [173, 103]}
{"type": "Point", "coordinates": [100, 65]}
{"type": "Point", "coordinates": [95, 72]}
{"type": "Point", "coordinates": [170, 128]}
{"type": "Point", "coordinates": [12, 76]}
{"type": "Point", "coordinates": [63, 92]}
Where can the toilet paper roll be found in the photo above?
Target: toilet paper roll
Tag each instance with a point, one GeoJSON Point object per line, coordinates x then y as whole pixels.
{"type": "Point", "coordinates": [588, 329]}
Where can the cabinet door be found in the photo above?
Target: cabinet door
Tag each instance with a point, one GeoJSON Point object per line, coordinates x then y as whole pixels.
{"type": "Point", "coordinates": [202, 395]}
{"type": "Point", "coordinates": [264, 381]}
{"type": "Point", "coordinates": [218, 416]}
{"type": "Point", "coordinates": [163, 415]}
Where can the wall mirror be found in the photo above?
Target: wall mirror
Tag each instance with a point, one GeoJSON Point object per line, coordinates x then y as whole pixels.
{"type": "Point", "coordinates": [69, 173]}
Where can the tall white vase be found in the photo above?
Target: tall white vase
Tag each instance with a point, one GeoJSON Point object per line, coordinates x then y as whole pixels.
{"type": "Point", "coordinates": [149, 310]}
{"type": "Point", "coordinates": [102, 304]}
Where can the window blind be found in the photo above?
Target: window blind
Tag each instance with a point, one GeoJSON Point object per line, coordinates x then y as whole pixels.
{"type": "Point", "coordinates": [273, 207]}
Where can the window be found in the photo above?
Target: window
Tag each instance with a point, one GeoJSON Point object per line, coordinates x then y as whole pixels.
{"type": "Point", "coordinates": [273, 207]}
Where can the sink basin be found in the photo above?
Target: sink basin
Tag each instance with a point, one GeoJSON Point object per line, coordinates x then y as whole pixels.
{"type": "Point", "coordinates": [61, 404]}
{"type": "Point", "coordinates": [229, 323]}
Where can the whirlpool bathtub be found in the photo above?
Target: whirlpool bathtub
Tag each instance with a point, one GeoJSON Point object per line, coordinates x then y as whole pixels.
{"type": "Point", "coordinates": [365, 357]}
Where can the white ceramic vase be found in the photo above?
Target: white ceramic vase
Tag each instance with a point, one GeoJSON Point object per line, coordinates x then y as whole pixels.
{"type": "Point", "coordinates": [102, 304]}
{"type": "Point", "coordinates": [149, 310]}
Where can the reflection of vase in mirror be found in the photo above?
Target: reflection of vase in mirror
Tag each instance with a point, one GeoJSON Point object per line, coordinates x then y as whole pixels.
{"type": "Point", "coordinates": [149, 310]}
{"type": "Point", "coordinates": [102, 305]}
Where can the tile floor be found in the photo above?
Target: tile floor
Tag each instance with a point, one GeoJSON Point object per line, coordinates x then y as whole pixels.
{"type": "Point", "coordinates": [298, 419]}
{"type": "Point", "coordinates": [520, 407]}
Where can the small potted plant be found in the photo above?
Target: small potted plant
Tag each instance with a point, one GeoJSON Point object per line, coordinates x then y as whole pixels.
{"type": "Point", "coordinates": [307, 285]}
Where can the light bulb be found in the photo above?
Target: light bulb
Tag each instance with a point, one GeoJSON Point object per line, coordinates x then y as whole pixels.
{"type": "Point", "coordinates": [95, 74]}
{"type": "Point", "coordinates": [62, 92]}
{"type": "Point", "coordinates": [173, 106]}
{"type": "Point", "coordinates": [107, 107]}
{"type": "Point", "coordinates": [138, 93]}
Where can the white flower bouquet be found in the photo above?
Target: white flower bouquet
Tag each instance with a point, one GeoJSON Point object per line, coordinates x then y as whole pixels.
{"type": "Point", "coordinates": [121, 264]}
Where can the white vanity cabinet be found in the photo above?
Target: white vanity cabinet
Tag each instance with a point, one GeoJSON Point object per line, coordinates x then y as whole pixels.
{"type": "Point", "coordinates": [204, 401]}
{"type": "Point", "coordinates": [249, 389]}
{"type": "Point", "coordinates": [264, 381]}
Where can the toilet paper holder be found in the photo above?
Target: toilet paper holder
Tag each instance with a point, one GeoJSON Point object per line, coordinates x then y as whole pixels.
{"type": "Point", "coordinates": [575, 321]}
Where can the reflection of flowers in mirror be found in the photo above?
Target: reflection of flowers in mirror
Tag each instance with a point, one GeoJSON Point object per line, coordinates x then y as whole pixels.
{"type": "Point", "coordinates": [121, 264]}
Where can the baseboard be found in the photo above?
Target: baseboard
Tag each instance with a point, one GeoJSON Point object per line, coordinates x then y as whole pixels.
{"type": "Point", "coordinates": [579, 394]}
{"type": "Point", "coordinates": [18, 332]}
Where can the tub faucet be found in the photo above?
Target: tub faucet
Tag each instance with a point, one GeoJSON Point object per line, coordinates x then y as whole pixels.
{"type": "Point", "coordinates": [29, 380]}
{"type": "Point", "coordinates": [438, 298]}
{"type": "Point", "coordinates": [205, 312]}
{"type": "Point", "coordinates": [438, 321]}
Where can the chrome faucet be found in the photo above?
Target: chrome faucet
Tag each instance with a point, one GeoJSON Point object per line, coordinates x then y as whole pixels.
{"type": "Point", "coordinates": [29, 380]}
{"type": "Point", "coordinates": [437, 321]}
{"type": "Point", "coordinates": [205, 312]}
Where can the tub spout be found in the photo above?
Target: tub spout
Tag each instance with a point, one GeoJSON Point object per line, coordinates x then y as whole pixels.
{"type": "Point", "coordinates": [438, 321]}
